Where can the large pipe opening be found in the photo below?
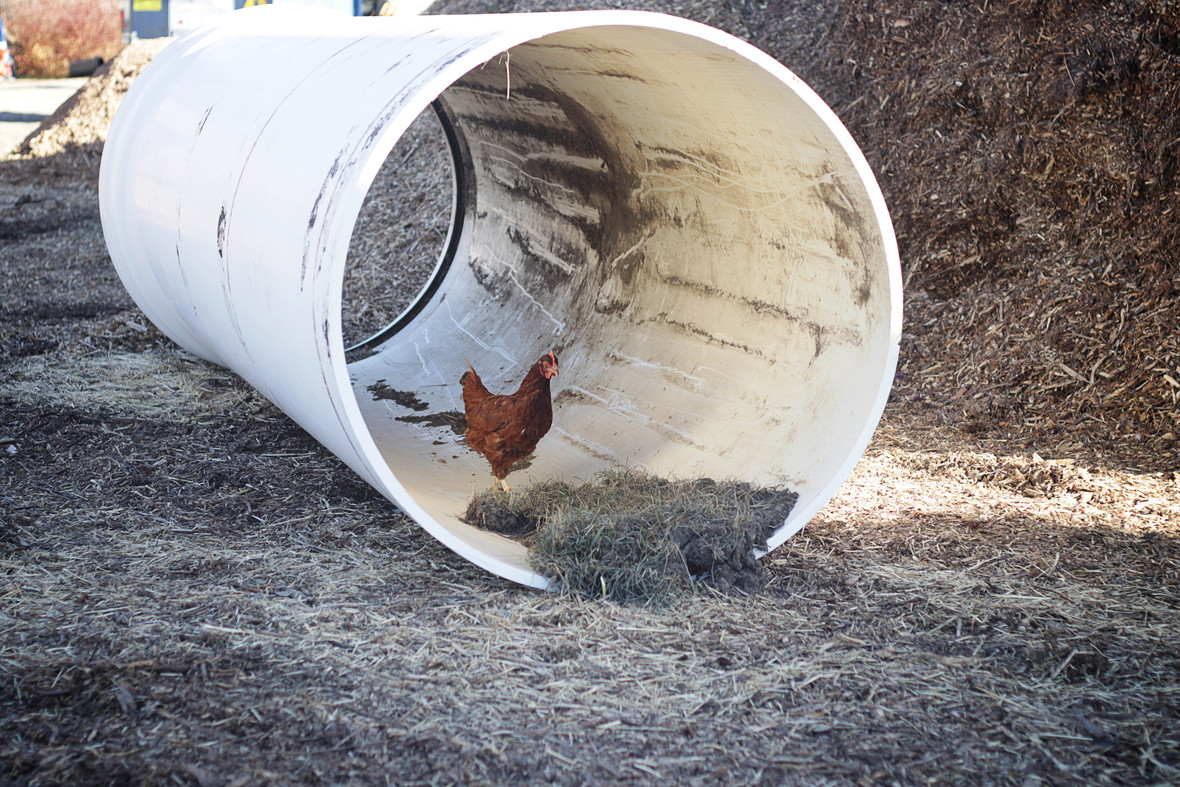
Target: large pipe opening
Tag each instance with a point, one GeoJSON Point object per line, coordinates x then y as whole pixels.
{"type": "Point", "coordinates": [673, 212]}
{"type": "Point", "coordinates": [407, 233]}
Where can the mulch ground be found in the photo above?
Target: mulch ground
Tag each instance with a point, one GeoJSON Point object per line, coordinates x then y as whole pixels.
{"type": "Point", "coordinates": [193, 591]}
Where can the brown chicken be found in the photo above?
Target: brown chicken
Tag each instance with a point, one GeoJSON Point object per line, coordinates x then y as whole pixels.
{"type": "Point", "coordinates": [506, 427]}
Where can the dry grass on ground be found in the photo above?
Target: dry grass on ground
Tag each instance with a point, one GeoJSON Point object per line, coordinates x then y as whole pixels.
{"type": "Point", "coordinates": [195, 592]}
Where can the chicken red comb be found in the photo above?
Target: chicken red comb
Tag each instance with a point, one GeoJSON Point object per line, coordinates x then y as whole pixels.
{"type": "Point", "coordinates": [553, 358]}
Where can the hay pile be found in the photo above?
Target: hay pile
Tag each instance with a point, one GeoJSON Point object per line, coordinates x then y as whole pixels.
{"type": "Point", "coordinates": [633, 537]}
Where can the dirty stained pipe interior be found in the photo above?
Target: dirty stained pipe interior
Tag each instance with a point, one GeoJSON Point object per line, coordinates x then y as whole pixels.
{"type": "Point", "coordinates": [674, 213]}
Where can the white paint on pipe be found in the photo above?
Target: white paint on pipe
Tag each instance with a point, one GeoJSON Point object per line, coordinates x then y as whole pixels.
{"type": "Point", "coordinates": [671, 210]}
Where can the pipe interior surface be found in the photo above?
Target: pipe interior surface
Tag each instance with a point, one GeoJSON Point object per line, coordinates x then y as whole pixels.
{"type": "Point", "coordinates": [674, 213]}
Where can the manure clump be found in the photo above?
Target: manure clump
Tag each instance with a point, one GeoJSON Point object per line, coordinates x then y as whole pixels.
{"type": "Point", "coordinates": [630, 536]}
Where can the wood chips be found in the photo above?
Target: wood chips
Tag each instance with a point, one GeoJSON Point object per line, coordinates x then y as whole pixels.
{"type": "Point", "coordinates": [194, 592]}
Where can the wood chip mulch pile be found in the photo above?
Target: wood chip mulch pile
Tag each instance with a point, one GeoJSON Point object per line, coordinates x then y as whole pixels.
{"type": "Point", "coordinates": [1028, 154]}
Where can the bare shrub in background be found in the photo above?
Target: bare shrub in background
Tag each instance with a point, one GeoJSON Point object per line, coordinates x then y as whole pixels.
{"type": "Point", "coordinates": [45, 35]}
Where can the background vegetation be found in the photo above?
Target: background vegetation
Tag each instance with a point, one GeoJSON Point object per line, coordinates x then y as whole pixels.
{"type": "Point", "coordinates": [45, 35]}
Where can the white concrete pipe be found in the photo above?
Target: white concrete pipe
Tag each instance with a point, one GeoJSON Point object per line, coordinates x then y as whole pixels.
{"type": "Point", "coordinates": [675, 213]}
